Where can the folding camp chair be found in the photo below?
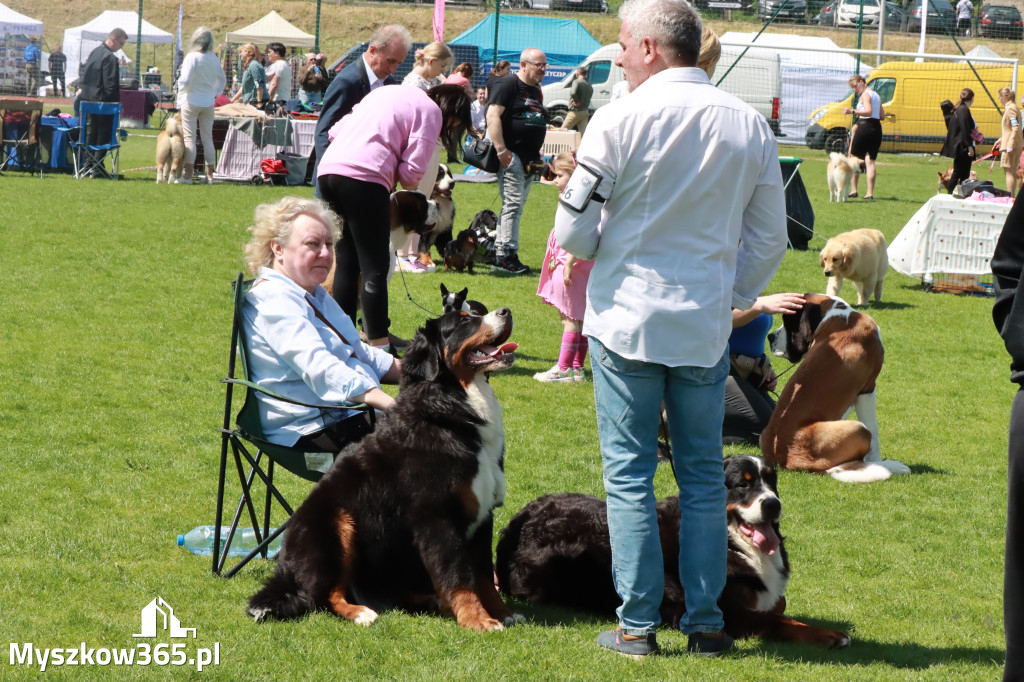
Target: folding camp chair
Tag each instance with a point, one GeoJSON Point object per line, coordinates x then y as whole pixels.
{"type": "Point", "coordinates": [19, 125]}
{"type": "Point", "coordinates": [247, 443]}
{"type": "Point", "coordinates": [93, 144]}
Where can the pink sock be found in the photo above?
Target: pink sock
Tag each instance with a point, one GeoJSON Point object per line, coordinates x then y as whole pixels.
{"type": "Point", "coordinates": [569, 343]}
{"type": "Point", "coordinates": [581, 352]}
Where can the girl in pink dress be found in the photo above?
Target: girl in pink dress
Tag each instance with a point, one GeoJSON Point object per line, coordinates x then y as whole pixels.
{"type": "Point", "coordinates": [563, 284]}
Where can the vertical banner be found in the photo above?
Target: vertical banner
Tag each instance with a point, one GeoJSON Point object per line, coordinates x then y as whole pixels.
{"type": "Point", "coordinates": [438, 20]}
{"type": "Point", "coordinates": [179, 50]}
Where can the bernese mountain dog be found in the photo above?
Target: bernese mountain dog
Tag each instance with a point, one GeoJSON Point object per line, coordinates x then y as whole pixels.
{"type": "Point", "coordinates": [556, 551]}
{"type": "Point", "coordinates": [403, 518]}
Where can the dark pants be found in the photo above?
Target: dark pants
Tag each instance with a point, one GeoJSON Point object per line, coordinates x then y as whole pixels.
{"type": "Point", "coordinates": [336, 436]}
{"type": "Point", "coordinates": [1013, 586]}
{"type": "Point", "coordinates": [365, 208]}
{"type": "Point", "coordinates": [58, 78]}
{"type": "Point", "coordinates": [961, 170]}
{"type": "Point", "coordinates": [100, 131]}
{"type": "Point", "coordinates": [747, 411]}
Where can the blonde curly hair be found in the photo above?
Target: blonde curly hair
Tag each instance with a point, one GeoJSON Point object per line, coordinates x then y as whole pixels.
{"type": "Point", "coordinates": [272, 223]}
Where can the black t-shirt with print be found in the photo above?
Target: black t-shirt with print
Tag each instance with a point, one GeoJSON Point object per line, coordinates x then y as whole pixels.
{"type": "Point", "coordinates": [523, 123]}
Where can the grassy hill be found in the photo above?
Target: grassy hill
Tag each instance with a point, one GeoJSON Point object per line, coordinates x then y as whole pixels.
{"type": "Point", "coordinates": [343, 25]}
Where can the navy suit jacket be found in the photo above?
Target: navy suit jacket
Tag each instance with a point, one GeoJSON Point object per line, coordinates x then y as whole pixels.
{"type": "Point", "coordinates": [347, 89]}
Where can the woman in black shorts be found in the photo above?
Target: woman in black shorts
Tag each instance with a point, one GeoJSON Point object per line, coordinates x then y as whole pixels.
{"type": "Point", "coordinates": [867, 132]}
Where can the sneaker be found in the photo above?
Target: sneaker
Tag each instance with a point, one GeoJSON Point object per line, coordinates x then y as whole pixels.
{"type": "Point", "coordinates": [510, 264]}
{"type": "Point", "coordinates": [183, 181]}
{"type": "Point", "coordinates": [554, 375]}
{"type": "Point", "coordinates": [633, 648]}
{"type": "Point", "coordinates": [410, 267]}
{"type": "Point", "coordinates": [707, 644]}
{"type": "Point", "coordinates": [579, 374]}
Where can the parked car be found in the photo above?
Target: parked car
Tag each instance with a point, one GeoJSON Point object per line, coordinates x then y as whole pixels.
{"type": "Point", "coordinates": [579, 5]}
{"type": "Point", "coordinates": [941, 16]}
{"type": "Point", "coordinates": [851, 12]}
{"type": "Point", "coordinates": [1000, 21]}
{"type": "Point", "coordinates": [894, 15]}
{"type": "Point", "coordinates": [827, 15]}
{"type": "Point", "coordinates": [794, 10]}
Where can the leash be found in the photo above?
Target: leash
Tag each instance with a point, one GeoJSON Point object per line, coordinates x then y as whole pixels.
{"type": "Point", "coordinates": [408, 294]}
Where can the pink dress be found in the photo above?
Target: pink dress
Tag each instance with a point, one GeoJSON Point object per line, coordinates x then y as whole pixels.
{"type": "Point", "coordinates": [570, 300]}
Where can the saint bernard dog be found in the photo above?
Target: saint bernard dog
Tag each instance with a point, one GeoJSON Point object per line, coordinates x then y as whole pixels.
{"type": "Point", "coordinates": [556, 550]}
{"type": "Point", "coordinates": [841, 353]}
{"type": "Point", "coordinates": [404, 517]}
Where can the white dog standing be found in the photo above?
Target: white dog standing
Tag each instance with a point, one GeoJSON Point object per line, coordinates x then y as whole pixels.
{"type": "Point", "coordinates": [840, 172]}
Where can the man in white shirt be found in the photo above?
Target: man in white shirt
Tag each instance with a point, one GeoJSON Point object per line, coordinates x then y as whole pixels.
{"type": "Point", "coordinates": [279, 73]}
{"type": "Point", "coordinates": [478, 110]}
{"type": "Point", "coordinates": [678, 198]}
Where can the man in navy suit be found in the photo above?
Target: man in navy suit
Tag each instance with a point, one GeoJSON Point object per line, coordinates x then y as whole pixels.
{"type": "Point", "coordinates": [388, 47]}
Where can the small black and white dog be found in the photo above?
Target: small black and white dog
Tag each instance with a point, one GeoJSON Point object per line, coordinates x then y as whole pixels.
{"type": "Point", "coordinates": [556, 551]}
{"type": "Point", "coordinates": [457, 302]}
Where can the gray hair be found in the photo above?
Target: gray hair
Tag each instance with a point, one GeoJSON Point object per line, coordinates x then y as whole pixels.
{"type": "Point", "coordinates": [118, 34]}
{"type": "Point", "coordinates": [673, 24]}
{"type": "Point", "coordinates": [385, 35]}
{"type": "Point", "coordinates": [202, 40]}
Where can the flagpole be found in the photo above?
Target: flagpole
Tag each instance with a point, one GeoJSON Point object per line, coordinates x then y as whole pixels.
{"type": "Point", "coordinates": [316, 41]}
{"type": "Point", "coordinates": [138, 47]}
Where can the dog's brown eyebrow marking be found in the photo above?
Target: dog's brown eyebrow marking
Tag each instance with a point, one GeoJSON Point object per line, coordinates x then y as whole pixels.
{"type": "Point", "coordinates": [747, 476]}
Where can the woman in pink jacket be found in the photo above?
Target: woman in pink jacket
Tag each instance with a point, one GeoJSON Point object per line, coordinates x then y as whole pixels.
{"type": "Point", "coordinates": [387, 139]}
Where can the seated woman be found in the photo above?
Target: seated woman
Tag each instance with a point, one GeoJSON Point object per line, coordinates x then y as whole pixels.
{"type": "Point", "coordinates": [301, 344]}
{"type": "Point", "coordinates": [748, 401]}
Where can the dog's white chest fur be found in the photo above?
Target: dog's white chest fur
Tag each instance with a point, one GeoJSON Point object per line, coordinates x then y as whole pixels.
{"type": "Point", "coordinates": [489, 482]}
{"type": "Point", "coordinates": [768, 566]}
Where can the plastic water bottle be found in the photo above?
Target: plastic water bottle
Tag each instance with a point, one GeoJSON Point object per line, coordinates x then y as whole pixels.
{"type": "Point", "coordinates": [199, 540]}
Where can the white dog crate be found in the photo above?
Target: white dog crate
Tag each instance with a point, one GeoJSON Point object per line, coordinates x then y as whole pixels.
{"type": "Point", "coordinates": [557, 141]}
{"type": "Point", "coordinates": [949, 243]}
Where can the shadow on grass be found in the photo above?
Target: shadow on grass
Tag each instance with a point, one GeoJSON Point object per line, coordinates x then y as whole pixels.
{"type": "Point", "coordinates": [898, 655]}
{"type": "Point", "coordinates": [860, 651]}
{"type": "Point", "coordinates": [884, 305]}
{"type": "Point", "coordinates": [926, 469]}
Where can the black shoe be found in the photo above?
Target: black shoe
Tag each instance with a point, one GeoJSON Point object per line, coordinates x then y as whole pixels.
{"type": "Point", "coordinates": [707, 644]}
{"type": "Point", "coordinates": [510, 264]}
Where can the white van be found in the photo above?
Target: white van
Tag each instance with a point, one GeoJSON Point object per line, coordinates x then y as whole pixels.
{"type": "Point", "coordinates": [756, 79]}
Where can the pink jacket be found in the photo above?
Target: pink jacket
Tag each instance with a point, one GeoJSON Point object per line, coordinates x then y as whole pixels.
{"type": "Point", "coordinates": [388, 138]}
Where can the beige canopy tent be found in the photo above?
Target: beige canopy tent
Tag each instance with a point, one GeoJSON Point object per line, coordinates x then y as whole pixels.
{"type": "Point", "coordinates": [271, 28]}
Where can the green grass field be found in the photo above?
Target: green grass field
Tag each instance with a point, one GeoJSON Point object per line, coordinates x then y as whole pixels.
{"type": "Point", "coordinates": [114, 326]}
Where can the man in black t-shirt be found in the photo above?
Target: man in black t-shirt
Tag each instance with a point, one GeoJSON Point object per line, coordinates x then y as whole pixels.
{"type": "Point", "coordinates": [516, 124]}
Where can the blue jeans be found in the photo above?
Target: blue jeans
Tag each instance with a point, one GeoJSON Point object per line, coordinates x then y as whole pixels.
{"type": "Point", "coordinates": [514, 187]}
{"type": "Point", "coordinates": [628, 396]}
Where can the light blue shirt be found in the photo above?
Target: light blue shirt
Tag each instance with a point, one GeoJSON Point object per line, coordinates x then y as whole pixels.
{"type": "Point", "coordinates": [293, 353]}
{"type": "Point", "coordinates": [32, 54]}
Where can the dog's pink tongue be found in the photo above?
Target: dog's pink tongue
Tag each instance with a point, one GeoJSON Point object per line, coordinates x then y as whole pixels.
{"type": "Point", "coordinates": [505, 348]}
{"type": "Point", "coordinates": [763, 536]}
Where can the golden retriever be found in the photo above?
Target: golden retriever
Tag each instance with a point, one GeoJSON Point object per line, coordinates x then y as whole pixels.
{"type": "Point", "coordinates": [840, 172]}
{"type": "Point", "coordinates": [861, 257]}
{"type": "Point", "coordinates": [170, 150]}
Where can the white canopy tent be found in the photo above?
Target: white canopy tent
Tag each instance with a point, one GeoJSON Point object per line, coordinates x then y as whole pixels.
{"type": "Point", "coordinates": [271, 28]}
{"type": "Point", "coordinates": [79, 42]}
{"type": "Point", "coordinates": [809, 78]}
{"type": "Point", "coordinates": [13, 28]}
{"type": "Point", "coordinates": [13, 23]}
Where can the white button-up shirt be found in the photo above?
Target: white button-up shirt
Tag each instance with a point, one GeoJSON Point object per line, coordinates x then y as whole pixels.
{"type": "Point", "coordinates": [694, 223]}
{"type": "Point", "coordinates": [293, 353]}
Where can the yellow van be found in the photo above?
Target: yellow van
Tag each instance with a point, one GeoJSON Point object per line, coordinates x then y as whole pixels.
{"type": "Point", "coordinates": [911, 93]}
